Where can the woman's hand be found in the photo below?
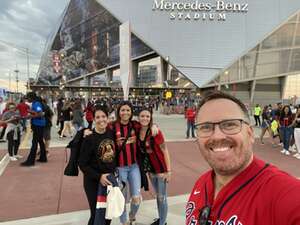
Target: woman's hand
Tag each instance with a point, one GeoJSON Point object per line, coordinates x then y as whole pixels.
{"type": "Point", "coordinates": [104, 181]}
{"type": "Point", "coordinates": [154, 130]}
{"type": "Point", "coordinates": [166, 176]}
{"type": "Point", "coordinates": [87, 132]}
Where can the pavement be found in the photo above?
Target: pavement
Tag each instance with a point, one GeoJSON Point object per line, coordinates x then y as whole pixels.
{"type": "Point", "coordinates": [42, 195]}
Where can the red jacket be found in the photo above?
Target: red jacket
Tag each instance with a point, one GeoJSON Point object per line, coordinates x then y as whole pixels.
{"type": "Point", "coordinates": [190, 114]}
{"type": "Point", "coordinates": [271, 197]}
{"type": "Point", "coordinates": [23, 109]}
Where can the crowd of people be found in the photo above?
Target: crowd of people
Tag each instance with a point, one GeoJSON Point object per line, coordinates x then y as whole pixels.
{"type": "Point", "coordinates": [117, 151]}
{"type": "Point", "coordinates": [282, 122]}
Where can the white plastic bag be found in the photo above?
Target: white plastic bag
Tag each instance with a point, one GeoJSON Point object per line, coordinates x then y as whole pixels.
{"type": "Point", "coordinates": [115, 202]}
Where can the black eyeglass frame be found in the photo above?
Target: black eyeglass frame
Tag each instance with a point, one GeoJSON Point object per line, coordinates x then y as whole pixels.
{"type": "Point", "coordinates": [220, 127]}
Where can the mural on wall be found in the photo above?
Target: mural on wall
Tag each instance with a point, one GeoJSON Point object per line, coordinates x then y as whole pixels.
{"type": "Point", "coordinates": [87, 41]}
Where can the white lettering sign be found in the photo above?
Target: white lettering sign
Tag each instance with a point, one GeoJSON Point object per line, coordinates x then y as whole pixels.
{"type": "Point", "coordinates": [199, 10]}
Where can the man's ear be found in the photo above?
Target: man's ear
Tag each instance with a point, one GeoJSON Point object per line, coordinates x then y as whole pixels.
{"type": "Point", "coordinates": [251, 134]}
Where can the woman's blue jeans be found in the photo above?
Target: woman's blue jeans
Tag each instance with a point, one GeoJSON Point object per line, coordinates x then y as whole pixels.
{"type": "Point", "coordinates": [132, 177]}
{"type": "Point", "coordinates": [286, 133]}
{"type": "Point", "coordinates": [160, 186]}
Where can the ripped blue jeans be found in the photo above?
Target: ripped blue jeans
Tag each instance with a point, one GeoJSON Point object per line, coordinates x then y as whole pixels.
{"type": "Point", "coordinates": [160, 186]}
{"type": "Point", "coordinates": [131, 176]}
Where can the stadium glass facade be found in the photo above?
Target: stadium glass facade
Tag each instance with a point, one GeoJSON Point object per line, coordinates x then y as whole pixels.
{"type": "Point", "coordinates": [86, 44]}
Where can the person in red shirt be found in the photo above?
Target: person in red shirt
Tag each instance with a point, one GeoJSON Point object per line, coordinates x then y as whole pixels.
{"type": "Point", "coordinates": [155, 161]}
{"type": "Point", "coordinates": [23, 109]}
{"type": "Point", "coordinates": [240, 188]}
{"type": "Point", "coordinates": [190, 115]}
{"type": "Point", "coordinates": [89, 114]}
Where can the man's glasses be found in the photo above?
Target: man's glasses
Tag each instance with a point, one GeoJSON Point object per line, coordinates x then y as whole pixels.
{"type": "Point", "coordinates": [229, 127]}
{"type": "Point", "coordinates": [204, 215]}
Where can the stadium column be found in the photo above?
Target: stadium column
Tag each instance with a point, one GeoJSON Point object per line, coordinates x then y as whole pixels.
{"type": "Point", "coordinates": [125, 58]}
{"type": "Point", "coordinates": [135, 69]}
{"type": "Point", "coordinates": [163, 71]}
{"type": "Point", "coordinates": [252, 91]}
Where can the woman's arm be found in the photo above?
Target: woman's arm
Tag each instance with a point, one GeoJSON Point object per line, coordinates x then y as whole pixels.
{"type": "Point", "coordinates": [165, 151]}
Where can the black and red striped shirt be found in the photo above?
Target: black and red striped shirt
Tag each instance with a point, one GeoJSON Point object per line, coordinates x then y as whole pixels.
{"type": "Point", "coordinates": [127, 152]}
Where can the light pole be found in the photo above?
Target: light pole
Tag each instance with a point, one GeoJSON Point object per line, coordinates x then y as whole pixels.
{"type": "Point", "coordinates": [17, 79]}
{"type": "Point", "coordinates": [23, 50]}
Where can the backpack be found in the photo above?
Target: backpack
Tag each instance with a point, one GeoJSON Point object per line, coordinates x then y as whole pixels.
{"type": "Point", "coordinates": [74, 146]}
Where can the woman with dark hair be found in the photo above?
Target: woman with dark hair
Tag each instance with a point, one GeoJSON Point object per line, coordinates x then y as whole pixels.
{"type": "Point", "coordinates": [97, 162]}
{"type": "Point", "coordinates": [286, 128]}
{"type": "Point", "coordinates": [266, 124]}
{"type": "Point", "coordinates": [126, 131]}
{"type": "Point", "coordinates": [155, 160]}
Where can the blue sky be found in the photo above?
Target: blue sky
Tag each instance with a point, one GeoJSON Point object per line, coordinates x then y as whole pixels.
{"type": "Point", "coordinates": [28, 24]}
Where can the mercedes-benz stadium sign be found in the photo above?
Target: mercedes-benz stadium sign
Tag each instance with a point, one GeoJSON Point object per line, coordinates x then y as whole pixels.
{"type": "Point", "coordinates": [199, 10]}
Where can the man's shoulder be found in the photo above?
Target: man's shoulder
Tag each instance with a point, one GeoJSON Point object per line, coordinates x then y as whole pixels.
{"type": "Point", "coordinates": [279, 182]}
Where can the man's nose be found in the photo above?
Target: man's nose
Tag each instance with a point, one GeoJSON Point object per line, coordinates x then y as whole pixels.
{"type": "Point", "coordinates": [218, 133]}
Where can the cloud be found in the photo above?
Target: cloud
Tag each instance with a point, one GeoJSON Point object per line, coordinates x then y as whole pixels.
{"type": "Point", "coordinates": [26, 24]}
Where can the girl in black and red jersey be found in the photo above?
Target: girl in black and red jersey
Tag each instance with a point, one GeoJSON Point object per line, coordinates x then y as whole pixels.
{"type": "Point", "coordinates": [156, 161]}
{"type": "Point", "coordinates": [286, 128]}
{"type": "Point", "coordinates": [126, 132]}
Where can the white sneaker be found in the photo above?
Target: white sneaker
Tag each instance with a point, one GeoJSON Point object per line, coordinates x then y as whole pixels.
{"type": "Point", "coordinates": [287, 152]}
{"type": "Point", "coordinates": [12, 158]}
{"type": "Point", "coordinates": [296, 155]}
{"type": "Point", "coordinates": [18, 156]}
{"type": "Point", "coordinates": [283, 151]}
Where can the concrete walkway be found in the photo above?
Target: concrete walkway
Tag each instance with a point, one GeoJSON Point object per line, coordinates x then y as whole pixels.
{"type": "Point", "coordinates": [42, 195]}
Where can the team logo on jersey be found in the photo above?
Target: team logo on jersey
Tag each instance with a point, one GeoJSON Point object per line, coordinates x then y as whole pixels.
{"type": "Point", "coordinates": [190, 207]}
{"type": "Point", "coordinates": [233, 220]}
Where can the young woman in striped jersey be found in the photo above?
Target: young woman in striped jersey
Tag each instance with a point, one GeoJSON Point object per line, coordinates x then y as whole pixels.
{"type": "Point", "coordinates": [126, 131]}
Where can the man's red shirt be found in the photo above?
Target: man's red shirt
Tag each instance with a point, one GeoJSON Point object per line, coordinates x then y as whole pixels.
{"type": "Point", "coordinates": [267, 196]}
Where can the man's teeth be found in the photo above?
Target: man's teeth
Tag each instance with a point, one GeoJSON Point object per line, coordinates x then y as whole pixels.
{"type": "Point", "coordinates": [221, 149]}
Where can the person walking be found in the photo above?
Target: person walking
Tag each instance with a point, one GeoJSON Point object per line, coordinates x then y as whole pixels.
{"type": "Point", "coordinates": [59, 106]}
{"type": "Point", "coordinates": [38, 123]}
{"type": "Point", "coordinates": [155, 160]}
{"type": "Point", "coordinates": [67, 118]}
{"type": "Point", "coordinates": [266, 124]}
{"type": "Point", "coordinates": [240, 188]}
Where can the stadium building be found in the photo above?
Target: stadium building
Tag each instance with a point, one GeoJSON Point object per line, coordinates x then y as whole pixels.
{"type": "Point", "coordinates": [250, 48]}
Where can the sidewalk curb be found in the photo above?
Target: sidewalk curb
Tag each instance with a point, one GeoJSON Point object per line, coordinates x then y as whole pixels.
{"type": "Point", "coordinates": [3, 163]}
